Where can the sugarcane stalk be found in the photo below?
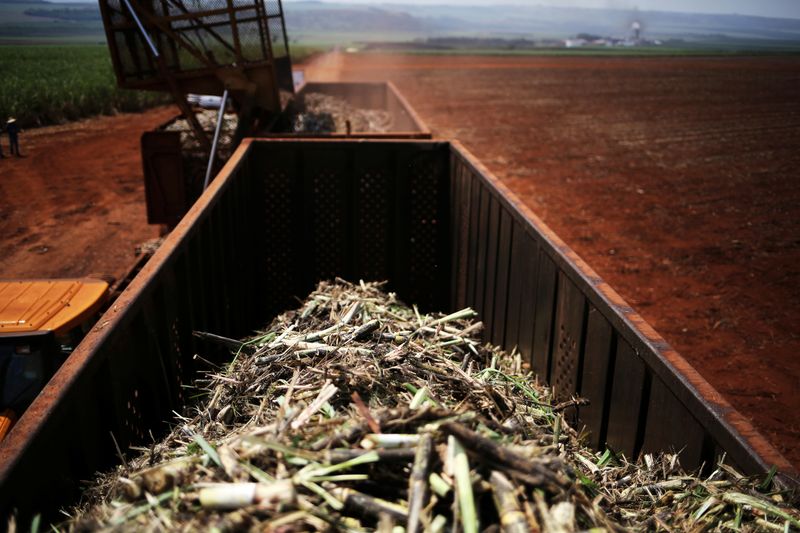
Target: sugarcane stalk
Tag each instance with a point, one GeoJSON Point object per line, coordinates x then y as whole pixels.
{"type": "Point", "coordinates": [316, 470]}
{"type": "Point", "coordinates": [737, 498]}
{"type": "Point", "coordinates": [317, 335]}
{"type": "Point", "coordinates": [369, 505]}
{"type": "Point", "coordinates": [458, 315]}
{"type": "Point", "coordinates": [352, 312]}
{"type": "Point", "coordinates": [341, 437]}
{"type": "Point", "coordinates": [404, 455]}
{"type": "Point", "coordinates": [160, 478]}
{"type": "Point", "coordinates": [327, 392]}
{"type": "Point", "coordinates": [231, 463]}
{"type": "Point", "coordinates": [512, 519]}
{"type": "Point", "coordinates": [419, 398]}
{"type": "Point", "coordinates": [521, 467]}
{"type": "Point", "coordinates": [465, 498]}
{"type": "Point", "coordinates": [277, 341]}
{"type": "Point", "coordinates": [308, 309]}
{"type": "Point", "coordinates": [438, 485]}
{"type": "Point", "coordinates": [227, 496]}
{"type": "Point", "coordinates": [325, 495]}
{"type": "Point", "coordinates": [418, 486]}
{"type": "Point", "coordinates": [267, 359]}
{"type": "Point", "coordinates": [364, 330]}
{"type": "Point", "coordinates": [438, 524]}
{"type": "Point", "coordinates": [557, 429]}
{"type": "Point", "coordinates": [257, 474]}
{"type": "Point", "coordinates": [389, 440]}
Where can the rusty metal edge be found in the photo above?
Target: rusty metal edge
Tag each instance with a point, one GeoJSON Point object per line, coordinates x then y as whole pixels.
{"type": "Point", "coordinates": [83, 358]}
{"type": "Point", "coordinates": [344, 137]}
{"type": "Point", "coordinates": [422, 133]}
{"type": "Point", "coordinates": [156, 84]}
{"type": "Point", "coordinates": [423, 127]}
{"type": "Point", "coordinates": [722, 419]}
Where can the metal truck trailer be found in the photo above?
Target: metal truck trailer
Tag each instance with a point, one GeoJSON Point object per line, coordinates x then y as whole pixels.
{"type": "Point", "coordinates": [424, 215]}
{"type": "Point", "coordinates": [173, 174]}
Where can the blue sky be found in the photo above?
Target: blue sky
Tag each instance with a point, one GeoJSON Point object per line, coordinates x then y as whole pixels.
{"type": "Point", "coordinates": [764, 8]}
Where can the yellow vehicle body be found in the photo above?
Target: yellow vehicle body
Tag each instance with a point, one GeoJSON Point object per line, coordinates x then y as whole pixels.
{"type": "Point", "coordinates": [36, 306]}
{"type": "Point", "coordinates": [40, 322]}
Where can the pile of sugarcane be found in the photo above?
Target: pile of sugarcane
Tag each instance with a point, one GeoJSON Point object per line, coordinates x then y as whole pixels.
{"type": "Point", "coordinates": [322, 113]}
{"type": "Point", "coordinates": [208, 121]}
{"type": "Point", "coordinates": [356, 412]}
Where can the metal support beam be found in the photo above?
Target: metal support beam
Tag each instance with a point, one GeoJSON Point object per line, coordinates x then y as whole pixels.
{"type": "Point", "coordinates": [213, 154]}
{"type": "Point", "coordinates": [146, 35]}
{"type": "Point", "coordinates": [166, 29]}
{"type": "Point", "coordinates": [180, 99]}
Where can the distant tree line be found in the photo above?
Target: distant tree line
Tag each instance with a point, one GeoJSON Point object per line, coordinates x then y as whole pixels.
{"type": "Point", "coordinates": [465, 43]}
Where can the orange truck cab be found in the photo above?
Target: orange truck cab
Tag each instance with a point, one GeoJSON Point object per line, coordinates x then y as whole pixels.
{"type": "Point", "coordinates": [41, 321]}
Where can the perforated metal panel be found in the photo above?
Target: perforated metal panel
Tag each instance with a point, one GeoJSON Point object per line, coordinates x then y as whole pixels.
{"type": "Point", "coordinates": [327, 213]}
{"type": "Point", "coordinates": [566, 363]}
{"type": "Point", "coordinates": [373, 222]}
{"type": "Point", "coordinates": [279, 234]}
{"type": "Point", "coordinates": [425, 216]}
{"type": "Point", "coordinates": [570, 319]}
{"type": "Point", "coordinates": [351, 211]}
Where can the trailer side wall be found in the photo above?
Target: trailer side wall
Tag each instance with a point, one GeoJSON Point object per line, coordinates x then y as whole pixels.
{"type": "Point", "coordinates": [536, 295]}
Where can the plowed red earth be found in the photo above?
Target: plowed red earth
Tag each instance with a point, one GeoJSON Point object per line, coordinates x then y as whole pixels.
{"type": "Point", "coordinates": [675, 178]}
{"type": "Point", "coordinates": [74, 204]}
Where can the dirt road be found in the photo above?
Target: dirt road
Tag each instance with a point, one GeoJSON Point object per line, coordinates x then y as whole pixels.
{"type": "Point", "coordinates": [74, 205]}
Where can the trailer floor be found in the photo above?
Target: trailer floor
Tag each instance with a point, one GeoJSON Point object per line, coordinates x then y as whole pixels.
{"type": "Point", "coordinates": [74, 205]}
{"type": "Point", "coordinates": [674, 178]}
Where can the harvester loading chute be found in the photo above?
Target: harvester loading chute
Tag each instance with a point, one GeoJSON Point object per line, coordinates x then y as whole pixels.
{"type": "Point", "coordinates": [205, 47]}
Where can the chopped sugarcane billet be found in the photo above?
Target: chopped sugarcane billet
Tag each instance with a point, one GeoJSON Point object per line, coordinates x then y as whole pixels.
{"type": "Point", "coordinates": [356, 412]}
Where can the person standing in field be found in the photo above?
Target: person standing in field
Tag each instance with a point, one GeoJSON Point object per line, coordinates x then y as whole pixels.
{"type": "Point", "coordinates": [13, 136]}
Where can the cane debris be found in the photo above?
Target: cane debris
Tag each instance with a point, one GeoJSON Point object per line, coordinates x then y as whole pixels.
{"type": "Point", "coordinates": [322, 113]}
{"type": "Point", "coordinates": [208, 121]}
{"type": "Point", "coordinates": [356, 412]}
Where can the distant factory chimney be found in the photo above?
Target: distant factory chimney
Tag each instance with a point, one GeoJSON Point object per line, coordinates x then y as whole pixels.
{"type": "Point", "coordinates": [636, 27]}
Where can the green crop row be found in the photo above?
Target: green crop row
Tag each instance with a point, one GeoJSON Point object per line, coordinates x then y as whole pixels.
{"type": "Point", "coordinates": [48, 84]}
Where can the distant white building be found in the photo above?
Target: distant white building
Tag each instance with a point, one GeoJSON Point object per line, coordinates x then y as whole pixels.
{"type": "Point", "coordinates": [574, 43]}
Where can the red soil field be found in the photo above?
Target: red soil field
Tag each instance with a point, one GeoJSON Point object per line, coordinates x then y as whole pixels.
{"type": "Point", "coordinates": [674, 178]}
{"type": "Point", "coordinates": [74, 205]}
